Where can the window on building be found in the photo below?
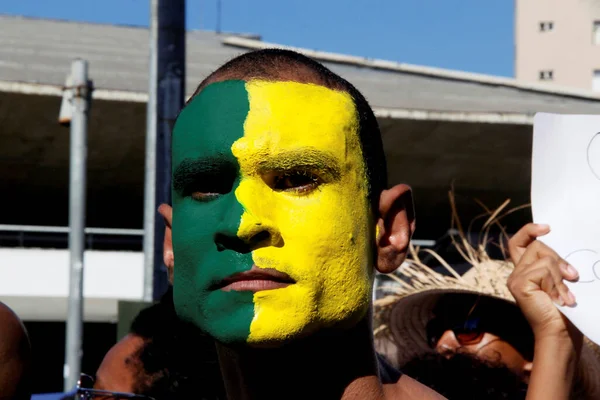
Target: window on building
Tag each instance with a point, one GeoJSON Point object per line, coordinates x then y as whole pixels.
{"type": "Point", "coordinates": [596, 81]}
{"type": "Point", "coordinates": [546, 26]}
{"type": "Point", "coordinates": [546, 75]}
{"type": "Point", "coordinates": [596, 33]}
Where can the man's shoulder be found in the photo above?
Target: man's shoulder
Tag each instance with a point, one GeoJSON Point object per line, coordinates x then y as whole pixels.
{"type": "Point", "coordinates": [407, 388]}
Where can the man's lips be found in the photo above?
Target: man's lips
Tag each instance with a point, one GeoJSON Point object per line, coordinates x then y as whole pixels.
{"type": "Point", "coordinates": [255, 280]}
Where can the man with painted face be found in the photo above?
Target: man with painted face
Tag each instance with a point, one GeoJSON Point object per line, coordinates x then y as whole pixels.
{"type": "Point", "coordinates": [280, 215]}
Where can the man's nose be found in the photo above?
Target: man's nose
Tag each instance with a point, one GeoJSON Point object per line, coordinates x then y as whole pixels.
{"type": "Point", "coordinates": [448, 344]}
{"type": "Point", "coordinates": [258, 232]}
{"type": "Point", "coordinates": [243, 232]}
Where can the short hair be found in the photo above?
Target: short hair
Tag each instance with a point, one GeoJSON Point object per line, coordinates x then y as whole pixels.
{"type": "Point", "coordinates": [463, 376]}
{"type": "Point", "coordinates": [177, 359]}
{"type": "Point", "coordinates": [286, 65]}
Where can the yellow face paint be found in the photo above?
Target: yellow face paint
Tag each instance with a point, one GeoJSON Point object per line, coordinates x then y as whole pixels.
{"type": "Point", "coordinates": [321, 237]}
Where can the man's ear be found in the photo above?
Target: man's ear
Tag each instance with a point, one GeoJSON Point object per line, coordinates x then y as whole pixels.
{"type": "Point", "coordinates": [395, 226]}
{"type": "Point", "coordinates": [168, 258]}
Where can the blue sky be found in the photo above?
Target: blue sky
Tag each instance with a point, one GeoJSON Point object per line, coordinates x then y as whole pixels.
{"type": "Point", "coordinates": [470, 35]}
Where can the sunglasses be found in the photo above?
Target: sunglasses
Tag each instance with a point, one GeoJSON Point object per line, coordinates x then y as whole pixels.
{"type": "Point", "coordinates": [471, 317]}
{"type": "Point", "coordinates": [85, 391]}
{"type": "Point", "coordinates": [468, 332]}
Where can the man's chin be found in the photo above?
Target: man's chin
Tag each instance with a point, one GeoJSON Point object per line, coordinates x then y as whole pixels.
{"type": "Point", "coordinates": [292, 332]}
{"type": "Point", "coordinates": [227, 316]}
{"type": "Point", "coordinates": [268, 343]}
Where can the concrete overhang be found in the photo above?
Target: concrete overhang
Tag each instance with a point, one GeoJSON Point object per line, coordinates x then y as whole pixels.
{"type": "Point", "coordinates": [483, 155]}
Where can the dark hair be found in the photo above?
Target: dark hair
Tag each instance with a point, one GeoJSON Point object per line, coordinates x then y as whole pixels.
{"type": "Point", "coordinates": [278, 65]}
{"type": "Point", "coordinates": [178, 360]}
{"type": "Point", "coordinates": [464, 376]}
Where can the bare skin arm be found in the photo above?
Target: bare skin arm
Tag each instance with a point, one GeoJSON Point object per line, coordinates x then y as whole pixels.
{"type": "Point", "coordinates": [407, 388]}
{"type": "Point", "coordinates": [536, 283]}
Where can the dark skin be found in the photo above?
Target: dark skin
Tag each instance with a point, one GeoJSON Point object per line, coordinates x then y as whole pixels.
{"type": "Point", "coordinates": [322, 365]}
{"type": "Point", "coordinates": [15, 353]}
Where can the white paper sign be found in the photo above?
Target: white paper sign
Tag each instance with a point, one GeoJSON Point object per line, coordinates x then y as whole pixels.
{"type": "Point", "coordinates": [565, 193]}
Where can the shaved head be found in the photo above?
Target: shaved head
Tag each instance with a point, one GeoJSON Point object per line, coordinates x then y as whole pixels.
{"type": "Point", "coordinates": [275, 65]}
{"type": "Point", "coordinates": [15, 352]}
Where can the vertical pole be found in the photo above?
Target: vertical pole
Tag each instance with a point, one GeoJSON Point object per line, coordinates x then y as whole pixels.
{"type": "Point", "coordinates": [77, 198]}
{"type": "Point", "coordinates": [150, 168]}
{"type": "Point", "coordinates": [166, 99]}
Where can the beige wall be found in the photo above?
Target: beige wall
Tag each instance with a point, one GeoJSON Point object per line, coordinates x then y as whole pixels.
{"type": "Point", "coordinates": [568, 50]}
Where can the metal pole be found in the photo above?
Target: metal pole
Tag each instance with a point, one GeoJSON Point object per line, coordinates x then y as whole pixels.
{"type": "Point", "coordinates": [77, 188]}
{"type": "Point", "coordinates": [150, 168]}
{"type": "Point", "coordinates": [166, 98]}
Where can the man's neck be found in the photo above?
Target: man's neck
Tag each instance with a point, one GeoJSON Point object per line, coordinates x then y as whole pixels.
{"type": "Point", "coordinates": [329, 365]}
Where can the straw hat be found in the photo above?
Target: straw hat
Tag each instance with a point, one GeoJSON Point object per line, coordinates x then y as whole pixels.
{"type": "Point", "coordinates": [401, 318]}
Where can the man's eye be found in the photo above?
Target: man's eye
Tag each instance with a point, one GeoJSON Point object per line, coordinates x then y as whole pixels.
{"type": "Point", "coordinates": [209, 188]}
{"type": "Point", "coordinates": [297, 181]}
{"type": "Point", "coordinates": [201, 196]}
{"type": "Point", "coordinates": [204, 179]}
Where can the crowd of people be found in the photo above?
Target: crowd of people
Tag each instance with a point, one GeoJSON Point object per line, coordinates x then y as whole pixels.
{"type": "Point", "coordinates": [281, 216]}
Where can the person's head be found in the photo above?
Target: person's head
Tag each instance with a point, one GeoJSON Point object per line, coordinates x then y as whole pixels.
{"type": "Point", "coordinates": [279, 183]}
{"type": "Point", "coordinates": [120, 370]}
{"type": "Point", "coordinates": [450, 313]}
{"type": "Point", "coordinates": [490, 329]}
{"type": "Point", "coordinates": [465, 376]}
{"type": "Point", "coordinates": [15, 356]}
{"type": "Point", "coordinates": [162, 358]}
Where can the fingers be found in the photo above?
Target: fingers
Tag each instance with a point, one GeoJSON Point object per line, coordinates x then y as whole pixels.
{"type": "Point", "coordinates": [518, 244]}
{"type": "Point", "coordinates": [525, 249]}
{"type": "Point", "coordinates": [538, 280]}
{"type": "Point", "coordinates": [568, 271]}
{"type": "Point", "coordinates": [545, 274]}
{"type": "Point", "coordinates": [549, 287]}
{"type": "Point", "coordinates": [538, 251]}
{"type": "Point", "coordinates": [553, 283]}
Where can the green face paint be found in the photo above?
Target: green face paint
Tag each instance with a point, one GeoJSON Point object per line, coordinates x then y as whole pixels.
{"type": "Point", "coordinates": [203, 162]}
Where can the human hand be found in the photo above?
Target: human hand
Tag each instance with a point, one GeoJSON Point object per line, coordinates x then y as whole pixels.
{"type": "Point", "coordinates": [538, 280]}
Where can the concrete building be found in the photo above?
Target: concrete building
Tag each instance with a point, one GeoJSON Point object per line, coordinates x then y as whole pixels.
{"type": "Point", "coordinates": [558, 41]}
